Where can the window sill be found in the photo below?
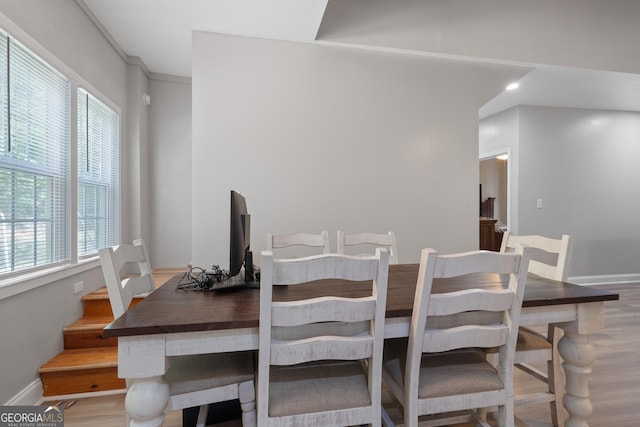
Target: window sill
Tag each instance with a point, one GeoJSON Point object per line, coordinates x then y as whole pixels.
{"type": "Point", "coordinates": [26, 282]}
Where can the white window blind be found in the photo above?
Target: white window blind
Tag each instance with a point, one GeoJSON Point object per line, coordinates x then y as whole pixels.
{"type": "Point", "coordinates": [98, 159]}
{"type": "Point", "coordinates": [34, 160]}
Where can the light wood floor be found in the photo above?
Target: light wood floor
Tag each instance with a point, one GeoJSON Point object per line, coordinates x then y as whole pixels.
{"type": "Point", "coordinates": [614, 384]}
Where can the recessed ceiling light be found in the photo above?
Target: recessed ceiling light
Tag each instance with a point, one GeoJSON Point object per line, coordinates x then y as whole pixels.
{"type": "Point", "coordinates": [513, 86]}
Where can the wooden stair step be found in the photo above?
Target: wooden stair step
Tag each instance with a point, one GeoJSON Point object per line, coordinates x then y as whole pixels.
{"type": "Point", "coordinates": [89, 362]}
{"type": "Point", "coordinates": [96, 303]}
{"type": "Point", "coordinates": [86, 332]}
{"type": "Point", "coordinates": [86, 358]}
{"type": "Point", "coordinates": [81, 371]}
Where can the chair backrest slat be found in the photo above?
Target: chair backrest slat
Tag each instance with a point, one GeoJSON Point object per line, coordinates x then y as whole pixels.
{"type": "Point", "coordinates": [136, 285]}
{"type": "Point", "coordinates": [325, 309]}
{"type": "Point", "coordinates": [279, 241]}
{"type": "Point", "coordinates": [474, 262]}
{"type": "Point", "coordinates": [549, 257]}
{"type": "Point", "coordinates": [468, 300]}
{"type": "Point", "coordinates": [292, 271]}
{"type": "Point", "coordinates": [321, 348]}
{"type": "Point", "coordinates": [481, 336]}
{"type": "Point", "coordinates": [125, 254]}
{"type": "Point", "coordinates": [373, 240]}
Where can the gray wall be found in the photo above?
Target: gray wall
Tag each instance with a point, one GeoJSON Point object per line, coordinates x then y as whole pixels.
{"type": "Point", "coordinates": [170, 172]}
{"type": "Point", "coordinates": [583, 165]}
{"type": "Point", "coordinates": [324, 138]}
{"type": "Point", "coordinates": [134, 156]}
{"type": "Point", "coordinates": [31, 322]}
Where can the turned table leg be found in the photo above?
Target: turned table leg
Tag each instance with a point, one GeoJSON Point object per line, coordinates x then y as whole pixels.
{"type": "Point", "coordinates": [579, 354]}
{"type": "Point", "coordinates": [146, 401]}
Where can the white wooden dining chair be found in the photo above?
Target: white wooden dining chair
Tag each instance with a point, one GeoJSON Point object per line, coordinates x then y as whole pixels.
{"type": "Point", "coordinates": [275, 242]}
{"type": "Point", "coordinates": [371, 240]}
{"type": "Point", "coordinates": [441, 369]}
{"type": "Point", "coordinates": [319, 361]}
{"type": "Point", "coordinates": [194, 381]}
{"type": "Point", "coordinates": [549, 259]}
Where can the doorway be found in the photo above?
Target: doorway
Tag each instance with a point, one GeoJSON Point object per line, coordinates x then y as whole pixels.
{"type": "Point", "coordinates": [494, 182]}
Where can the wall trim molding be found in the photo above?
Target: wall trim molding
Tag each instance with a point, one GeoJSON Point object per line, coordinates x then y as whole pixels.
{"type": "Point", "coordinates": [169, 78]}
{"type": "Point", "coordinates": [606, 279]}
{"type": "Point", "coordinates": [29, 396]}
{"type": "Point", "coordinates": [32, 395]}
{"type": "Point", "coordinates": [132, 60]}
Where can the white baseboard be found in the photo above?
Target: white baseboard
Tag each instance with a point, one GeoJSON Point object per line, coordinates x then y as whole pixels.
{"type": "Point", "coordinates": [31, 395]}
{"type": "Point", "coordinates": [607, 279]}
{"type": "Point", "coordinates": [84, 395]}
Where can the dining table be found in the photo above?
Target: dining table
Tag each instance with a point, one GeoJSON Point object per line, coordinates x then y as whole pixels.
{"type": "Point", "coordinates": [172, 321]}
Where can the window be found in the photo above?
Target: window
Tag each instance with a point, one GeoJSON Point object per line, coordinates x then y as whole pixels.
{"type": "Point", "coordinates": [34, 160]}
{"type": "Point", "coordinates": [98, 129]}
{"type": "Point", "coordinates": [38, 166]}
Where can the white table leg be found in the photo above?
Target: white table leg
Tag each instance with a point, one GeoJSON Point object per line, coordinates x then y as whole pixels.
{"type": "Point", "coordinates": [146, 401]}
{"type": "Point", "coordinates": [579, 354]}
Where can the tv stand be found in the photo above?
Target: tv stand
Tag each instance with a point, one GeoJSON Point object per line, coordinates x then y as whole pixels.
{"type": "Point", "coordinates": [238, 281]}
{"type": "Point", "coordinates": [249, 271]}
{"type": "Point", "coordinates": [248, 277]}
{"type": "Point", "coordinates": [249, 281]}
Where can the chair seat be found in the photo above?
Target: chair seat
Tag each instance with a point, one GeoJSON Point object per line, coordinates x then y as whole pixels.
{"type": "Point", "coordinates": [445, 374]}
{"type": "Point", "coordinates": [200, 372]}
{"type": "Point", "coordinates": [529, 340]}
{"type": "Point", "coordinates": [317, 387]}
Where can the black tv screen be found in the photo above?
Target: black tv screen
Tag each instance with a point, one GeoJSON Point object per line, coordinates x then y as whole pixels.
{"type": "Point", "coordinates": [239, 233]}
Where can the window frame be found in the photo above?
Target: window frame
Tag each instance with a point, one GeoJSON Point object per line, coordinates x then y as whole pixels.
{"type": "Point", "coordinates": [16, 282]}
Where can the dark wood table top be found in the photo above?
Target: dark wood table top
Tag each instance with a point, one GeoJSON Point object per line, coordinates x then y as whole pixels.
{"type": "Point", "coordinates": [169, 310]}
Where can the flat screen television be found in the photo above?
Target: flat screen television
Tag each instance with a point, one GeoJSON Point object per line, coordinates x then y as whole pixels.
{"type": "Point", "coordinates": [240, 238]}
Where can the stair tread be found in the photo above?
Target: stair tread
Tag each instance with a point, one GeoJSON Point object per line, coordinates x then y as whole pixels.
{"type": "Point", "coordinates": [89, 322]}
{"type": "Point", "coordinates": [97, 294]}
{"type": "Point", "coordinates": [101, 294]}
{"type": "Point", "coordinates": [85, 358]}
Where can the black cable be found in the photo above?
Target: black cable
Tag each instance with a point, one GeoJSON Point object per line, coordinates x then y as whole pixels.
{"type": "Point", "coordinates": [202, 280]}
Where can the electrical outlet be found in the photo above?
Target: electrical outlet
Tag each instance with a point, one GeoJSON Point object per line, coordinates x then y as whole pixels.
{"type": "Point", "coordinates": [539, 203]}
{"type": "Point", "coordinates": [78, 287]}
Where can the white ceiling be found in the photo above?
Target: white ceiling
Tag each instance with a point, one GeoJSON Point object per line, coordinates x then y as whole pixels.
{"type": "Point", "coordinates": [571, 87]}
{"type": "Point", "coordinates": [159, 32]}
